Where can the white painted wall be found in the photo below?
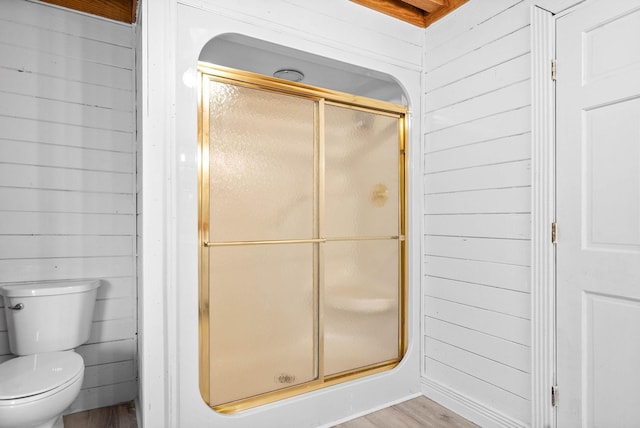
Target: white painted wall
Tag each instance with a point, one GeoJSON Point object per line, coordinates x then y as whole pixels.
{"type": "Point", "coordinates": [67, 175]}
{"type": "Point", "coordinates": [477, 183]}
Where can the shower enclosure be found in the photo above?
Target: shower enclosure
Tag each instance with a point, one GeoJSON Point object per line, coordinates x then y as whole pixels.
{"type": "Point", "coordinates": [302, 212]}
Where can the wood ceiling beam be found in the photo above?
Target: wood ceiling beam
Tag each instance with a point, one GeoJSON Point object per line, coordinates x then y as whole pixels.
{"type": "Point", "coordinates": [450, 7]}
{"type": "Point", "coordinates": [427, 5]}
{"type": "Point", "coordinates": [417, 12]}
{"type": "Point", "coordinates": [118, 10]}
{"type": "Point", "coordinates": [397, 9]}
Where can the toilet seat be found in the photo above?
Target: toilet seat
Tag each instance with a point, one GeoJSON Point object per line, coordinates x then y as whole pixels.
{"type": "Point", "coordinates": [39, 375]}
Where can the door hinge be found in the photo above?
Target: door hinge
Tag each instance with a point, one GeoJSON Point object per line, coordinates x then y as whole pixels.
{"type": "Point", "coordinates": [554, 395]}
{"type": "Point", "coordinates": [554, 69]}
{"type": "Point", "coordinates": [554, 233]}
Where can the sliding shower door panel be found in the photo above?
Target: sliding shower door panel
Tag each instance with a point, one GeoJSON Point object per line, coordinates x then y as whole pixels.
{"type": "Point", "coordinates": [361, 275]}
{"type": "Point", "coordinates": [263, 320]}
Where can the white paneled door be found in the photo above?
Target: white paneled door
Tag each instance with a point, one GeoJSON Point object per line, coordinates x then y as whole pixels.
{"type": "Point", "coordinates": [598, 214]}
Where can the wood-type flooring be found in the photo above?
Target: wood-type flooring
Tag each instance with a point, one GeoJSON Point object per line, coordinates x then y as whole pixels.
{"type": "Point", "coordinates": [416, 413]}
{"type": "Point", "coordinates": [118, 416]}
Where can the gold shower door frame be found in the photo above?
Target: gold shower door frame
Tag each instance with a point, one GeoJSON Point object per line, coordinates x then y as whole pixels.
{"type": "Point", "coordinates": [322, 97]}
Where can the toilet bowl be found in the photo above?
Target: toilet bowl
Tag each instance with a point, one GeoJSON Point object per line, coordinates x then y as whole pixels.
{"type": "Point", "coordinates": [45, 322]}
{"type": "Point", "coordinates": [37, 388]}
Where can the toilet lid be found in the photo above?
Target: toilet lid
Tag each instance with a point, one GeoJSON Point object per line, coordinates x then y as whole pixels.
{"type": "Point", "coordinates": [38, 373]}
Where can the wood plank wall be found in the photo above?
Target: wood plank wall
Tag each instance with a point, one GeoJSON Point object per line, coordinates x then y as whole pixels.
{"type": "Point", "coordinates": [477, 206]}
{"type": "Point", "coordinates": [67, 175]}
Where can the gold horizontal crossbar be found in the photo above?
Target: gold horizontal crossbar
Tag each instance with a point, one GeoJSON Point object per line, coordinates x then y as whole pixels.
{"type": "Point", "coordinates": [284, 241]}
{"type": "Point", "coordinates": [365, 238]}
{"type": "Point", "coordinates": [302, 241]}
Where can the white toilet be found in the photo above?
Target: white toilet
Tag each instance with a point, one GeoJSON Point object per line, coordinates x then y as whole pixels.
{"type": "Point", "coordinates": [45, 321]}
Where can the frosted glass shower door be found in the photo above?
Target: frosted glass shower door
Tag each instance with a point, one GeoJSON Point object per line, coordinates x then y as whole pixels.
{"type": "Point", "coordinates": [262, 316]}
{"type": "Point", "coordinates": [302, 247]}
{"type": "Point", "coordinates": [362, 227]}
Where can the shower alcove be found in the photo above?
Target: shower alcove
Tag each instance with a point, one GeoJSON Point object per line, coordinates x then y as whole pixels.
{"type": "Point", "coordinates": [302, 223]}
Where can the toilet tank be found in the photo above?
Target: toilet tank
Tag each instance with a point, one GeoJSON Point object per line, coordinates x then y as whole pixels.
{"type": "Point", "coordinates": [48, 316]}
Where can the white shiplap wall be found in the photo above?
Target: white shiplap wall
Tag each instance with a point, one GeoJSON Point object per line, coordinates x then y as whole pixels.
{"type": "Point", "coordinates": [477, 184]}
{"type": "Point", "coordinates": [67, 175]}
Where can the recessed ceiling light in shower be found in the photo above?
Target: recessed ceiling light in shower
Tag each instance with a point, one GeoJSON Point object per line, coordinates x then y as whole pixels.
{"type": "Point", "coordinates": [289, 74]}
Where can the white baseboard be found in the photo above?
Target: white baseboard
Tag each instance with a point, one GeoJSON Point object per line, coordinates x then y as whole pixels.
{"type": "Point", "coordinates": [476, 412]}
{"type": "Point", "coordinates": [138, 412]}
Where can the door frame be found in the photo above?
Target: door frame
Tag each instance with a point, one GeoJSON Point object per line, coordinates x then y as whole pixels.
{"type": "Point", "coordinates": [544, 14]}
{"type": "Point", "coordinates": [543, 263]}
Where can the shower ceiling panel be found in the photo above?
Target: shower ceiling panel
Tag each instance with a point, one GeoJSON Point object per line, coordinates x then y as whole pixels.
{"type": "Point", "coordinates": [258, 56]}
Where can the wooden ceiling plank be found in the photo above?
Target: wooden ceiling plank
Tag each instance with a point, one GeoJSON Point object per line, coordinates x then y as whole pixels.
{"type": "Point", "coordinates": [134, 11]}
{"type": "Point", "coordinates": [427, 5]}
{"type": "Point", "coordinates": [398, 9]}
{"type": "Point", "coordinates": [118, 10]}
{"type": "Point", "coordinates": [451, 6]}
